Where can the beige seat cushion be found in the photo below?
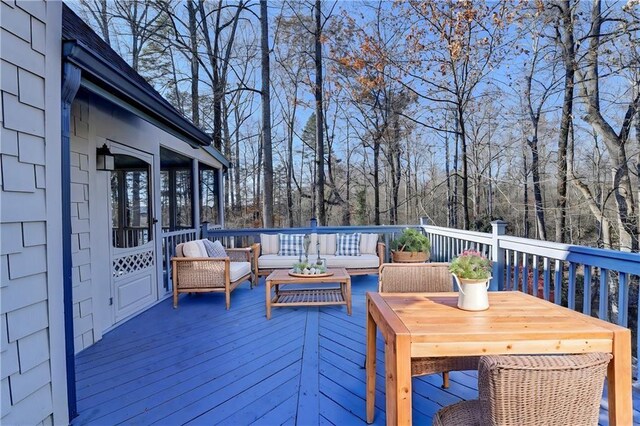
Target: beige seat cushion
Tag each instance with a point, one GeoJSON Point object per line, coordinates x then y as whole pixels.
{"type": "Point", "coordinates": [364, 261]}
{"type": "Point", "coordinates": [269, 244]}
{"type": "Point", "coordinates": [238, 270]}
{"type": "Point", "coordinates": [368, 243]}
{"type": "Point", "coordinates": [273, 261]}
{"type": "Point", "coordinates": [327, 244]}
{"type": "Point", "coordinates": [194, 249]}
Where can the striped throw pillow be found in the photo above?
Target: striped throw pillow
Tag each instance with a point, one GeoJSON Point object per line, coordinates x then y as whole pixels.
{"type": "Point", "coordinates": [291, 244]}
{"type": "Point", "coordinates": [348, 245]}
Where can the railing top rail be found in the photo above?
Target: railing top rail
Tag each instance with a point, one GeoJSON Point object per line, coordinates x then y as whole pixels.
{"type": "Point", "coordinates": [477, 237]}
{"type": "Point", "coordinates": [178, 232]}
{"type": "Point", "coordinates": [374, 229]}
{"type": "Point", "coordinates": [603, 258]}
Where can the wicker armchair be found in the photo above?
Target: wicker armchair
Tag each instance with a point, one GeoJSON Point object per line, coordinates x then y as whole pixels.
{"type": "Point", "coordinates": [424, 278]}
{"type": "Point", "coordinates": [533, 390]}
{"type": "Point", "coordinates": [209, 274]}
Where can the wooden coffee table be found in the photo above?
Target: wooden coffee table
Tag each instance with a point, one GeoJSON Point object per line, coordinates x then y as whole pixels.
{"type": "Point", "coordinates": [316, 296]}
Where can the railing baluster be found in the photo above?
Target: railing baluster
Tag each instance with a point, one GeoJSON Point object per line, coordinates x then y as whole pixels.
{"type": "Point", "coordinates": [623, 299]}
{"type": "Point", "coordinates": [516, 271]}
{"type": "Point", "coordinates": [547, 279]}
{"type": "Point", "coordinates": [525, 273]}
{"type": "Point", "coordinates": [536, 274]}
{"type": "Point", "coordinates": [571, 289]}
{"type": "Point", "coordinates": [603, 308]}
{"type": "Point", "coordinates": [586, 291]}
{"type": "Point", "coordinates": [557, 283]}
{"type": "Point", "coordinates": [507, 256]}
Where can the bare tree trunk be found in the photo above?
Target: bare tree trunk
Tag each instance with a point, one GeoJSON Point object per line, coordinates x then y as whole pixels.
{"type": "Point", "coordinates": [267, 200]}
{"type": "Point", "coordinates": [456, 181]}
{"type": "Point", "coordinates": [376, 182]}
{"type": "Point", "coordinates": [568, 56]}
{"type": "Point", "coordinates": [195, 65]}
{"type": "Point", "coordinates": [465, 169]}
{"type": "Point", "coordinates": [320, 207]}
{"type": "Point", "coordinates": [346, 213]}
{"type": "Point", "coordinates": [525, 199]}
{"type": "Point", "coordinates": [448, 173]}
{"type": "Point", "coordinates": [615, 142]}
{"type": "Point", "coordinates": [100, 12]}
{"type": "Point", "coordinates": [290, 160]}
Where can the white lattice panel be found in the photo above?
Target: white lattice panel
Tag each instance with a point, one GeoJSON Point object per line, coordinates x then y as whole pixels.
{"type": "Point", "coordinates": [132, 263]}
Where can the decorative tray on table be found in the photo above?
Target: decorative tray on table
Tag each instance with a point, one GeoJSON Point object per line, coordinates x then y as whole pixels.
{"type": "Point", "coordinates": [303, 275]}
{"type": "Point", "coordinates": [309, 270]}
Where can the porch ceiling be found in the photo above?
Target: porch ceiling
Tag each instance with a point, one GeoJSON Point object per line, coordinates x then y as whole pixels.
{"type": "Point", "coordinates": [200, 364]}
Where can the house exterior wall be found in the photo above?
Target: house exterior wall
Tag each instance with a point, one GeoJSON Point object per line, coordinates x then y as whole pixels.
{"type": "Point", "coordinates": [83, 317]}
{"type": "Point", "coordinates": [33, 376]}
{"type": "Point", "coordinates": [94, 122]}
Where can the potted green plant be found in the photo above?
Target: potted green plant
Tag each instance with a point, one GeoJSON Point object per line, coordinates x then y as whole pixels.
{"type": "Point", "coordinates": [411, 246]}
{"type": "Point", "coordinates": [472, 272]}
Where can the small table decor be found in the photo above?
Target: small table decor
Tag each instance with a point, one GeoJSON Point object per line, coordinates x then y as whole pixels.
{"type": "Point", "coordinates": [472, 272]}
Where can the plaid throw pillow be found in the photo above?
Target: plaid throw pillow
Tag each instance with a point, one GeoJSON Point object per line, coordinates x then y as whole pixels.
{"type": "Point", "coordinates": [348, 245]}
{"type": "Point", "coordinates": [291, 244]}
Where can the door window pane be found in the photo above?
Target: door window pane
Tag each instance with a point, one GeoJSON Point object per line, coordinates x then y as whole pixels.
{"type": "Point", "coordinates": [130, 203]}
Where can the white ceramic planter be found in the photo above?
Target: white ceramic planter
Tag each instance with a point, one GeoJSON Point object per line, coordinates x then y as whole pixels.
{"type": "Point", "coordinates": [472, 294]}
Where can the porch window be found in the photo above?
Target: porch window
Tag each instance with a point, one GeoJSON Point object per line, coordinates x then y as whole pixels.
{"type": "Point", "coordinates": [209, 194]}
{"type": "Point", "coordinates": [176, 191]}
{"type": "Point", "coordinates": [130, 207]}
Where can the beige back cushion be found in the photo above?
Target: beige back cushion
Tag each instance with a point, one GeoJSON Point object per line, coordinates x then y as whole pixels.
{"type": "Point", "coordinates": [313, 247]}
{"type": "Point", "coordinates": [368, 243]}
{"type": "Point", "coordinates": [327, 244]}
{"type": "Point", "coordinates": [194, 249]}
{"type": "Point", "coordinates": [179, 252]}
{"type": "Point", "coordinates": [269, 244]}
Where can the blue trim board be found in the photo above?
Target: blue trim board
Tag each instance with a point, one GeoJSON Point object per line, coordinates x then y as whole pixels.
{"type": "Point", "coordinates": [70, 85]}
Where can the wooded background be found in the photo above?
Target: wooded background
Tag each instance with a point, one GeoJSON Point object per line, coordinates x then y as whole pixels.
{"type": "Point", "coordinates": [384, 112]}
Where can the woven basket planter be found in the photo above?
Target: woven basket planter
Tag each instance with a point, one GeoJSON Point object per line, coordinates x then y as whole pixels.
{"type": "Point", "coordinates": [409, 256]}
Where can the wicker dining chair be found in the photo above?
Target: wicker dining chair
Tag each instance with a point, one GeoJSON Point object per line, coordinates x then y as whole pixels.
{"type": "Point", "coordinates": [424, 278]}
{"type": "Point", "coordinates": [528, 390]}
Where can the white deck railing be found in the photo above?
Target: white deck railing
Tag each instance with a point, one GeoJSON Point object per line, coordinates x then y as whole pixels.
{"type": "Point", "coordinates": [597, 282]}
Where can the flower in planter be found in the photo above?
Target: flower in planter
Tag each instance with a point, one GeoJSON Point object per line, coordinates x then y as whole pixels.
{"type": "Point", "coordinates": [471, 264]}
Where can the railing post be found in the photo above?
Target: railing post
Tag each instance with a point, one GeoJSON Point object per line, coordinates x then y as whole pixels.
{"type": "Point", "coordinates": [313, 223]}
{"type": "Point", "coordinates": [204, 227]}
{"type": "Point", "coordinates": [497, 255]}
{"type": "Point", "coordinates": [424, 221]}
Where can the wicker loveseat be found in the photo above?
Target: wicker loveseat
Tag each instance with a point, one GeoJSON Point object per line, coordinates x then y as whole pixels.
{"type": "Point", "coordinates": [194, 272]}
{"type": "Point", "coordinates": [371, 254]}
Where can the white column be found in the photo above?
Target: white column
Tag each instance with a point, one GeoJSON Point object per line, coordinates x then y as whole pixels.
{"type": "Point", "coordinates": [221, 197]}
{"type": "Point", "coordinates": [195, 197]}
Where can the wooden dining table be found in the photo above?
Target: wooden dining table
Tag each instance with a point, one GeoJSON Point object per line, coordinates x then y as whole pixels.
{"type": "Point", "coordinates": [416, 325]}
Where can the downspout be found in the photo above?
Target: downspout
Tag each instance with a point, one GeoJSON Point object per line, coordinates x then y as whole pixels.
{"type": "Point", "coordinates": [70, 85]}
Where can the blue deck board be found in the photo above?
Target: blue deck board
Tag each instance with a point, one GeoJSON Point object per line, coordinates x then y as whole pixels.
{"type": "Point", "coordinates": [201, 364]}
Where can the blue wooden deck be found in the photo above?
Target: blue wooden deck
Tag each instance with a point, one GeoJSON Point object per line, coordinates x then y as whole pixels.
{"type": "Point", "coordinates": [201, 364]}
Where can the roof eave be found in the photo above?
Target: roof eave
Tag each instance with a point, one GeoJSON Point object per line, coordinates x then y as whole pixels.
{"type": "Point", "coordinates": [123, 87]}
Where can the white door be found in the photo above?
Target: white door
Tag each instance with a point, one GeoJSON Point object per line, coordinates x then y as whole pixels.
{"type": "Point", "coordinates": [133, 246]}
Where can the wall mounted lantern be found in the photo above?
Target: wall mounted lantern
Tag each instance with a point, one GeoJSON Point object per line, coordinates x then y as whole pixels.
{"type": "Point", "coordinates": [105, 159]}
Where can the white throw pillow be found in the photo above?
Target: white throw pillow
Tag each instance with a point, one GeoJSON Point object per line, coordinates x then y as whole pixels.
{"type": "Point", "coordinates": [269, 244]}
{"type": "Point", "coordinates": [368, 244]}
{"type": "Point", "coordinates": [327, 244]}
{"type": "Point", "coordinates": [194, 249]}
